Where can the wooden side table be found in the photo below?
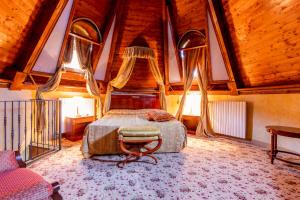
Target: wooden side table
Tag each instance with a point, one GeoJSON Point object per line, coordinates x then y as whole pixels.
{"type": "Point", "coordinates": [283, 131]}
{"type": "Point", "coordinates": [191, 123]}
{"type": "Point", "coordinates": [75, 126]}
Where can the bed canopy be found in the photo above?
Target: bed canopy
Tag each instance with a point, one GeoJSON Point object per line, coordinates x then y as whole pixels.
{"type": "Point", "coordinates": [129, 58]}
{"type": "Point", "coordinates": [193, 52]}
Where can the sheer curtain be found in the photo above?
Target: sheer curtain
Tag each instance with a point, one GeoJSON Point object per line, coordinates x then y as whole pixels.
{"type": "Point", "coordinates": [84, 51]}
{"type": "Point", "coordinates": [190, 59]}
{"type": "Point", "coordinates": [129, 58]}
{"type": "Point", "coordinates": [51, 85]}
{"type": "Point", "coordinates": [195, 60]}
{"type": "Point", "coordinates": [204, 126]}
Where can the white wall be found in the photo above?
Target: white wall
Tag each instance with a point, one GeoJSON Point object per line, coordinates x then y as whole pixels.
{"type": "Point", "coordinates": [47, 60]}
{"type": "Point", "coordinates": [103, 60]}
{"type": "Point", "coordinates": [10, 95]}
{"type": "Point", "coordinates": [217, 63]}
{"type": "Point", "coordinates": [270, 109]}
{"type": "Point", "coordinates": [262, 110]}
{"type": "Point", "coordinates": [6, 110]}
{"type": "Point", "coordinates": [174, 74]}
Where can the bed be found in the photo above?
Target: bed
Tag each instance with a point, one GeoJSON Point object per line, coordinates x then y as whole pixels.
{"type": "Point", "coordinates": [101, 138]}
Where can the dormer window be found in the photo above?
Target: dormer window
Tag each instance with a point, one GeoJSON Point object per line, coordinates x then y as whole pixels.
{"type": "Point", "coordinates": [74, 63]}
{"type": "Point", "coordinates": [83, 41]}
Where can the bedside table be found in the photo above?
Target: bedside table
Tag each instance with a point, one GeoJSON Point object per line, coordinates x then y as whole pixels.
{"type": "Point", "coordinates": [74, 127]}
{"type": "Point", "coordinates": [191, 123]}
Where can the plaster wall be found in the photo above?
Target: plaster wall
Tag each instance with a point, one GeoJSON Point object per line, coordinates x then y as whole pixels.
{"type": "Point", "coordinates": [262, 110]}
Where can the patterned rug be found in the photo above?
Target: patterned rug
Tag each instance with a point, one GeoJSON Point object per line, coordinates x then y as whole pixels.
{"type": "Point", "coordinates": [215, 169]}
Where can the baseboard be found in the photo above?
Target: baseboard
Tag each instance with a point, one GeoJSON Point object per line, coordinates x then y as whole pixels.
{"type": "Point", "coordinates": [260, 144]}
{"type": "Point", "coordinates": [268, 146]}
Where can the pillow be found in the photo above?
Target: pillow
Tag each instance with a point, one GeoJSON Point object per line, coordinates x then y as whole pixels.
{"type": "Point", "coordinates": [8, 161]}
{"type": "Point", "coordinates": [159, 116]}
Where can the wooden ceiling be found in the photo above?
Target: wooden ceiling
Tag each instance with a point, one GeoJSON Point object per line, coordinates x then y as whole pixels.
{"type": "Point", "coordinates": [260, 36]}
{"type": "Point", "coordinates": [187, 15]}
{"type": "Point", "coordinates": [18, 20]}
{"type": "Point", "coordinates": [140, 25]}
{"type": "Point", "coordinates": [266, 40]}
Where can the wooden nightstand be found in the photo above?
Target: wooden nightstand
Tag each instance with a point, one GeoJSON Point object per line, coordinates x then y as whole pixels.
{"type": "Point", "coordinates": [191, 123]}
{"type": "Point", "coordinates": [75, 126]}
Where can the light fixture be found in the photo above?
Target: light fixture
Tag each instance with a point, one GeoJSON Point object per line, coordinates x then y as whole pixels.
{"type": "Point", "coordinates": [78, 103]}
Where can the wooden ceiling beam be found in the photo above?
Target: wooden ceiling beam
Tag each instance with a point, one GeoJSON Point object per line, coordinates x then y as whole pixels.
{"type": "Point", "coordinates": [61, 88]}
{"type": "Point", "coordinates": [165, 45]}
{"type": "Point", "coordinates": [67, 75]}
{"type": "Point", "coordinates": [18, 80]}
{"type": "Point", "coordinates": [119, 12]}
{"type": "Point", "coordinates": [224, 40]}
{"type": "Point", "coordinates": [29, 58]}
{"type": "Point", "coordinates": [108, 26]}
{"type": "Point", "coordinates": [280, 89]}
{"type": "Point", "coordinates": [5, 80]}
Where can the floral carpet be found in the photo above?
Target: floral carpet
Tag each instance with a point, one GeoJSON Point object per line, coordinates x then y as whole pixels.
{"type": "Point", "coordinates": [215, 169]}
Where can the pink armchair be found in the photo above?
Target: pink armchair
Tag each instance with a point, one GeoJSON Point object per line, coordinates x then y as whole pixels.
{"type": "Point", "coordinates": [17, 182]}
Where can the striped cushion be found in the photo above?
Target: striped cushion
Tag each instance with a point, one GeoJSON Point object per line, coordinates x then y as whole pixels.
{"type": "Point", "coordinates": [139, 131]}
{"type": "Point", "coordinates": [8, 161]}
{"type": "Point", "coordinates": [125, 139]}
{"type": "Point", "coordinates": [24, 184]}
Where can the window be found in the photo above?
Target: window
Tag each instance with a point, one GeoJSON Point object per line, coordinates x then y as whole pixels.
{"type": "Point", "coordinates": [192, 104]}
{"type": "Point", "coordinates": [74, 64]}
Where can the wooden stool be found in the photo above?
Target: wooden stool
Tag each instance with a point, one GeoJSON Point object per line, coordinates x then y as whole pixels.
{"type": "Point", "coordinates": [133, 140]}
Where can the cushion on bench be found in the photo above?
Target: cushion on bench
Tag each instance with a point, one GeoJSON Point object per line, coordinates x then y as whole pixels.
{"type": "Point", "coordinates": [138, 138]}
{"type": "Point", "coordinates": [24, 184]}
{"type": "Point", "coordinates": [139, 131]}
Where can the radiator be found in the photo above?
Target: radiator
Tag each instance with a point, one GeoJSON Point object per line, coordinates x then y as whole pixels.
{"type": "Point", "coordinates": [228, 117]}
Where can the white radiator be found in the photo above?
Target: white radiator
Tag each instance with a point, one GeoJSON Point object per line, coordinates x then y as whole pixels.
{"type": "Point", "coordinates": [228, 117]}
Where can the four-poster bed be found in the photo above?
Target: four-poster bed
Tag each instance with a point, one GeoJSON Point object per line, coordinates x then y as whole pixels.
{"type": "Point", "coordinates": [101, 136]}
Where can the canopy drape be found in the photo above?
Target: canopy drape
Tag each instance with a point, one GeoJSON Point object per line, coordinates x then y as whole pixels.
{"type": "Point", "coordinates": [195, 61]}
{"type": "Point", "coordinates": [51, 85]}
{"type": "Point", "coordinates": [129, 58]}
{"type": "Point", "coordinates": [84, 51]}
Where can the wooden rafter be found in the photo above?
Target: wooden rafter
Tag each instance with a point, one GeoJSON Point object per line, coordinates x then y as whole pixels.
{"type": "Point", "coordinates": [119, 13]}
{"type": "Point", "coordinates": [225, 44]}
{"type": "Point", "coordinates": [67, 75]}
{"type": "Point", "coordinates": [28, 64]}
{"type": "Point", "coordinates": [281, 89]}
{"type": "Point", "coordinates": [61, 88]}
{"type": "Point", "coordinates": [165, 45]}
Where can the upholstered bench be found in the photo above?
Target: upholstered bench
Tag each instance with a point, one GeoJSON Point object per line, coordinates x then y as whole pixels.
{"type": "Point", "coordinates": [134, 142]}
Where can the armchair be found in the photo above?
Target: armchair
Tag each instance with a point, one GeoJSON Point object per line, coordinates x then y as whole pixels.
{"type": "Point", "coordinates": [17, 182]}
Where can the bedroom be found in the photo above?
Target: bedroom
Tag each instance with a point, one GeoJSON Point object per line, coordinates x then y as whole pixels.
{"type": "Point", "coordinates": [157, 99]}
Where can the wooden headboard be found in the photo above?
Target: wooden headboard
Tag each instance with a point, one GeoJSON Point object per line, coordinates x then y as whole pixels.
{"type": "Point", "coordinates": [134, 101]}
